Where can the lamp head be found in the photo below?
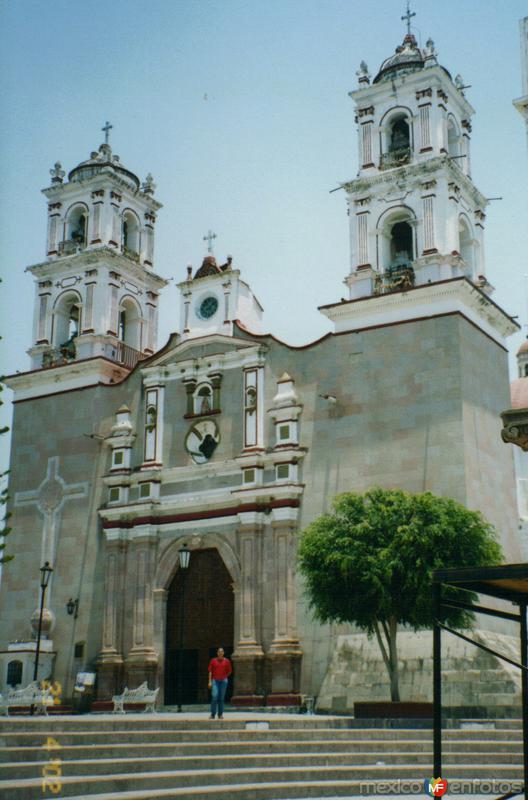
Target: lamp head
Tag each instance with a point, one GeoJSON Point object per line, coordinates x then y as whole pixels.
{"type": "Point", "coordinates": [45, 575]}
{"type": "Point", "coordinates": [185, 556]}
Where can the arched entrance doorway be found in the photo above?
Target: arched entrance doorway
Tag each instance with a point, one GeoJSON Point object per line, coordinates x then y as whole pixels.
{"type": "Point", "coordinates": [208, 624]}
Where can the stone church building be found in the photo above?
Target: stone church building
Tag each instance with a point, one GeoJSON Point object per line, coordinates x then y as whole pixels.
{"type": "Point", "coordinates": [229, 441]}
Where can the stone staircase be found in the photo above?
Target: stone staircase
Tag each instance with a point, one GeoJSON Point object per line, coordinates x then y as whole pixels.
{"type": "Point", "coordinates": [247, 756]}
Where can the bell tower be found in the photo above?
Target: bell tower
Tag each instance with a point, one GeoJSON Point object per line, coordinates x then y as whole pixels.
{"type": "Point", "coordinates": [416, 218]}
{"type": "Point", "coordinates": [96, 295]}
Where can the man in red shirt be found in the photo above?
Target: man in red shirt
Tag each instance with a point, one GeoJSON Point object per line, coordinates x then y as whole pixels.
{"type": "Point", "coordinates": [219, 671]}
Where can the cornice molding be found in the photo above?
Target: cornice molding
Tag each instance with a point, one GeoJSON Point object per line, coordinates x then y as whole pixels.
{"type": "Point", "coordinates": [100, 257]}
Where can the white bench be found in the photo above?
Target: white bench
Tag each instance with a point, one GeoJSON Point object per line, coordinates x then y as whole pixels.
{"type": "Point", "coordinates": [31, 695]}
{"type": "Point", "coordinates": [140, 695]}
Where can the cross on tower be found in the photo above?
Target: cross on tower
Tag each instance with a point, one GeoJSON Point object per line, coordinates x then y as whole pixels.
{"type": "Point", "coordinates": [107, 128]}
{"type": "Point", "coordinates": [408, 16]}
{"type": "Point", "coordinates": [209, 239]}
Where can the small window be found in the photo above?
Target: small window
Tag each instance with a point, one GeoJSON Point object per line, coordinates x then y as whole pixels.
{"type": "Point", "coordinates": [283, 472]}
{"type": "Point", "coordinates": [78, 651]}
{"type": "Point", "coordinates": [203, 402]}
{"type": "Point", "coordinates": [114, 494]}
{"type": "Point", "coordinates": [144, 490]}
{"type": "Point", "coordinates": [118, 458]}
{"type": "Point", "coordinates": [249, 476]}
{"type": "Point", "coordinates": [284, 432]}
{"type": "Point", "coordinates": [14, 673]}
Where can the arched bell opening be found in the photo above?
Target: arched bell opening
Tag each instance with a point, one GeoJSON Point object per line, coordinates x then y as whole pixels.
{"type": "Point", "coordinates": [129, 323]}
{"type": "Point", "coordinates": [401, 244]}
{"type": "Point", "coordinates": [396, 139]}
{"type": "Point", "coordinates": [77, 226]}
{"type": "Point", "coordinates": [466, 246]}
{"type": "Point", "coordinates": [400, 136]}
{"type": "Point", "coordinates": [67, 322]}
{"type": "Point", "coordinates": [453, 138]}
{"type": "Point", "coordinates": [396, 248]}
{"type": "Point", "coordinates": [130, 234]}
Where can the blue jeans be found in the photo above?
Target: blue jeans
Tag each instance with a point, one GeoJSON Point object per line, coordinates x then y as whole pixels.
{"type": "Point", "coordinates": [218, 691]}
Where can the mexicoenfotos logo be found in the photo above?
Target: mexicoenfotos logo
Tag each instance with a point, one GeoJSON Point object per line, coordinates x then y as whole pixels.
{"type": "Point", "coordinates": [435, 787]}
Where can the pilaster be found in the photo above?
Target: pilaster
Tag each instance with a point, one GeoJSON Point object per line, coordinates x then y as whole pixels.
{"type": "Point", "coordinates": [142, 659]}
{"type": "Point", "coordinates": [285, 653]}
{"type": "Point", "coordinates": [248, 657]}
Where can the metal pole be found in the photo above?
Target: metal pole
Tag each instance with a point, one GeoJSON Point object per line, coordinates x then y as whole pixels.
{"type": "Point", "coordinates": [37, 653]}
{"type": "Point", "coordinates": [180, 656]}
{"type": "Point", "coordinates": [524, 684]}
{"type": "Point", "coordinates": [437, 683]}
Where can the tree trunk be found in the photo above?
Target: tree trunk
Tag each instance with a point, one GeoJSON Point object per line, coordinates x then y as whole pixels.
{"type": "Point", "coordinates": [390, 654]}
{"type": "Point", "coordinates": [393, 655]}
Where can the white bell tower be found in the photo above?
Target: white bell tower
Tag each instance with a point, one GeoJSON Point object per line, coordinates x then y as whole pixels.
{"type": "Point", "coordinates": [96, 301]}
{"type": "Point", "coordinates": [416, 217]}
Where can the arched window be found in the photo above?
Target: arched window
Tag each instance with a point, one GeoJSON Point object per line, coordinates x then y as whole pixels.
{"type": "Point", "coordinates": [400, 138]}
{"type": "Point", "coordinates": [401, 243]}
{"type": "Point", "coordinates": [130, 235]}
{"type": "Point", "coordinates": [466, 246]}
{"type": "Point", "coordinates": [77, 226]}
{"type": "Point", "coordinates": [129, 328]}
{"type": "Point", "coordinates": [14, 673]}
{"type": "Point", "coordinates": [396, 139]}
{"type": "Point", "coordinates": [396, 249]}
{"type": "Point", "coordinates": [67, 322]}
{"type": "Point", "coordinates": [453, 138]}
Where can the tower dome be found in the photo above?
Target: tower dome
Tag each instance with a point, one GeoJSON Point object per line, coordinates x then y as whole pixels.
{"type": "Point", "coordinates": [103, 161]}
{"type": "Point", "coordinates": [408, 57]}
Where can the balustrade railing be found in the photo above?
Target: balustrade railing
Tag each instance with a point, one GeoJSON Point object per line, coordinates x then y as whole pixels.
{"type": "Point", "coordinates": [395, 158]}
{"type": "Point", "coordinates": [126, 355]}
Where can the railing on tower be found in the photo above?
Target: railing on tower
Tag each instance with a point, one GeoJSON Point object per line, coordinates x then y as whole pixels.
{"type": "Point", "coordinates": [118, 351]}
{"type": "Point", "coordinates": [126, 355]}
{"type": "Point", "coordinates": [395, 158]}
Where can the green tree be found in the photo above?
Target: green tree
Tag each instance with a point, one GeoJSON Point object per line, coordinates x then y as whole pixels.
{"type": "Point", "coordinates": [370, 560]}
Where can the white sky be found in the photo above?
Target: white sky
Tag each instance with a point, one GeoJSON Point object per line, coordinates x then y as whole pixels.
{"type": "Point", "coordinates": [239, 109]}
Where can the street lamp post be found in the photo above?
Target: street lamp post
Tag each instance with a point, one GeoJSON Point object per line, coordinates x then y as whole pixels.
{"type": "Point", "coordinates": [185, 557]}
{"type": "Point", "coordinates": [45, 575]}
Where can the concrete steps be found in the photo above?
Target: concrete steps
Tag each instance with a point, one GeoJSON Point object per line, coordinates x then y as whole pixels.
{"type": "Point", "coordinates": [149, 756]}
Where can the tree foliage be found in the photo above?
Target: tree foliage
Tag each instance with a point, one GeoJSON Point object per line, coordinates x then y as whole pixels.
{"type": "Point", "coordinates": [370, 560]}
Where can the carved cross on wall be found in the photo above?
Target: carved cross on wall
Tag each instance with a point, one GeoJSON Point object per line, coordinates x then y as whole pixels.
{"type": "Point", "coordinates": [49, 498]}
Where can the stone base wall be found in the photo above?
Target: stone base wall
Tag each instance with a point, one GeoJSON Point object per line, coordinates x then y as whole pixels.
{"type": "Point", "coordinates": [470, 676]}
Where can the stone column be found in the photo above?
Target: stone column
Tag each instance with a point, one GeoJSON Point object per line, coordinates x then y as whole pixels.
{"type": "Point", "coordinates": [285, 653]}
{"type": "Point", "coordinates": [110, 658]}
{"type": "Point", "coordinates": [142, 659]}
{"type": "Point", "coordinates": [248, 657]}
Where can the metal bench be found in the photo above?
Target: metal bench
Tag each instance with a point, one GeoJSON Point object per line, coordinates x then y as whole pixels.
{"type": "Point", "coordinates": [142, 694]}
{"type": "Point", "coordinates": [31, 695]}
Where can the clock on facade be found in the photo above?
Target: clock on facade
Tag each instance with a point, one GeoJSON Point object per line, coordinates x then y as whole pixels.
{"type": "Point", "coordinates": [208, 307]}
{"type": "Point", "coordinates": [202, 440]}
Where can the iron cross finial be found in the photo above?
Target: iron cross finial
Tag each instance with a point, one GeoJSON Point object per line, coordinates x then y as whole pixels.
{"type": "Point", "coordinates": [107, 128]}
{"type": "Point", "coordinates": [209, 239]}
{"type": "Point", "coordinates": [408, 16]}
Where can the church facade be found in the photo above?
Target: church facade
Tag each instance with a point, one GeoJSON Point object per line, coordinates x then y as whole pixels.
{"type": "Point", "coordinates": [228, 442]}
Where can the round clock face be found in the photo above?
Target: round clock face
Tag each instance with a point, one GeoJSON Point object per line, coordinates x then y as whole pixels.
{"type": "Point", "coordinates": [208, 307]}
{"type": "Point", "coordinates": [202, 440]}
